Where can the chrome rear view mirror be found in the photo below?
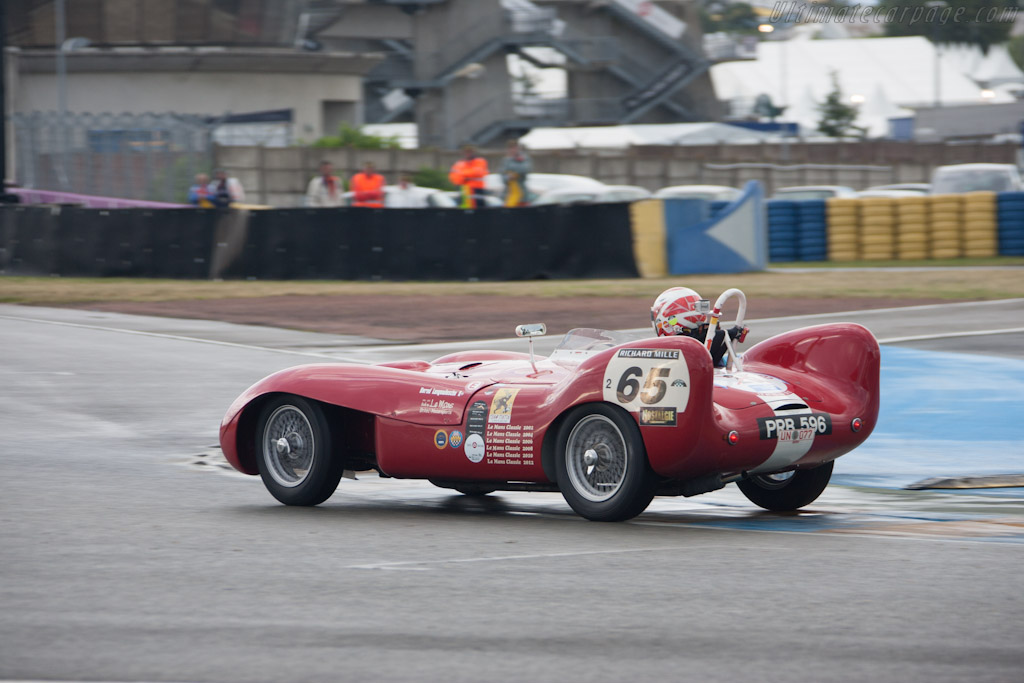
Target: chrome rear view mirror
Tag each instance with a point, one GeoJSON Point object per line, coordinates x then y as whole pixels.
{"type": "Point", "coordinates": [531, 330]}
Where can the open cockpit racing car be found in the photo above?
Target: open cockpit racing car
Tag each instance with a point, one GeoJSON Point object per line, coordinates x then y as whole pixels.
{"type": "Point", "coordinates": [608, 420]}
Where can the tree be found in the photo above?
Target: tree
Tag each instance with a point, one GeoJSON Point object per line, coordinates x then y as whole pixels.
{"type": "Point", "coordinates": [764, 107]}
{"type": "Point", "coordinates": [974, 22]}
{"type": "Point", "coordinates": [349, 136]}
{"type": "Point", "coordinates": [1016, 49]}
{"type": "Point", "coordinates": [735, 18]}
{"type": "Point", "coordinates": [837, 116]}
{"type": "Point", "coordinates": [426, 176]}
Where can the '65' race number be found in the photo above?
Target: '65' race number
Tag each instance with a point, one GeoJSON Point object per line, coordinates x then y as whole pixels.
{"type": "Point", "coordinates": [636, 378]}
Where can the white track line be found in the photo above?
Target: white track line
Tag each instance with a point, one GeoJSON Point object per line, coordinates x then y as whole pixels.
{"type": "Point", "coordinates": [413, 564]}
{"type": "Point", "coordinates": [810, 316]}
{"type": "Point", "coordinates": [475, 344]}
{"type": "Point", "coordinates": [178, 337]}
{"type": "Point", "coordinates": [948, 335]}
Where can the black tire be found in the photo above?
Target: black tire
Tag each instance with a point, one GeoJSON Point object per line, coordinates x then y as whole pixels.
{"type": "Point", "coordinates": [601, 464]}
{"type": "Point", "coordinates": [772, 492]}
{"type": "Point", "coordinates": [294, 451]}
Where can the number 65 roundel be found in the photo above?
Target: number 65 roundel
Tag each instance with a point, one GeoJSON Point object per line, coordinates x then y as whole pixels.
{"type": "Point", "coordinates": [636, 378]}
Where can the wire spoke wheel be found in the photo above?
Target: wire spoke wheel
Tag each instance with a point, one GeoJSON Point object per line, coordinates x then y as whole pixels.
{"type": "Point", "coordinates": [288, 446]}
{"type": "Point", "coordinates": [773, 481]}
{"type": "Point", "coordinates": [596, 456]}
{"type": "Point", "coordinates": [296, 460]}
{"type": "Point", "coordinates": [601, 463]}
{"type": "Point", "coordinates": [787, 491]}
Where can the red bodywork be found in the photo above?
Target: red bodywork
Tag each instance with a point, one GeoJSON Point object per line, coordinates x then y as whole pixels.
{"type": "Point", "coordinates": [791, 407]}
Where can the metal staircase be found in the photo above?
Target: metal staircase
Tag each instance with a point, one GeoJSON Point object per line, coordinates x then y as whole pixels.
{"type": "Point", "coordinates": [645, 85]}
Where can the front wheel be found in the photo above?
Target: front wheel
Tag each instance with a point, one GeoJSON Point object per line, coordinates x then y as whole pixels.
{"type": "Point", "coordinates": [293, 441]}
{"type": "Point", "coordinates": [601, 462]}
{"type": "Point", "coordinates": [787, 491]}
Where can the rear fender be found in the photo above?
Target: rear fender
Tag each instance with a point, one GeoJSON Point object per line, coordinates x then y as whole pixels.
{"type": "Point", "coordinates": [840, 363]}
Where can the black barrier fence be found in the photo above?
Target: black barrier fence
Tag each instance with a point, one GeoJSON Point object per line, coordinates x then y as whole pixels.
{"type": "Point", "coordinates": [593, 241]}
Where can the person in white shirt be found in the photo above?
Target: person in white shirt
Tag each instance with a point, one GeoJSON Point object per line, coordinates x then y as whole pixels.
{"type": "Point", "coordinates": [325, 190]}
{"type": "Point", "coordinates": [224, 191]}
{"type": "Point", "coordinates": [404, 195]}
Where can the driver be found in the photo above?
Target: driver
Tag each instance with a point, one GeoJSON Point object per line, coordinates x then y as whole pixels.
{"type": "Point", "coordinates": [680, 310]}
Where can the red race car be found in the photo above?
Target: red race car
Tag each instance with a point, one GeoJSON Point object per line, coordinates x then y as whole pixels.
{"type": "Point", "coordinates": [607, 420]}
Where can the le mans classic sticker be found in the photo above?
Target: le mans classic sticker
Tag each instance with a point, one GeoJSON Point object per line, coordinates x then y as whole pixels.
{"type": "Point", "coordinates": [653, 382]}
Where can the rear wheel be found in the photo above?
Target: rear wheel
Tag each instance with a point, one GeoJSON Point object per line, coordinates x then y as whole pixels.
{"type": "Point", "coordinates": [601, 462]}
{"type": "Point", "coordinates": [788, 490]}
{"type": "Point", "coordinates": [296, 462]}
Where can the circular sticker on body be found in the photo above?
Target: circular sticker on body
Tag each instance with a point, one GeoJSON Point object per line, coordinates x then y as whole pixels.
{"type": "Point", "coordinates": [475, 447]}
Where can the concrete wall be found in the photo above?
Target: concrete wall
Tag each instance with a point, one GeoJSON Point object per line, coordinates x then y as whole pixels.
{"type": "Point", "coordinates": [466, 104]}
{"type": "Point", "coordinates": [279, 176]}
{"type": "Point", "coordinates": [194, 93]}
{"type": "Point", "coordinates": [362, 22]}
{"type": "Point", "coordinates": [968, 121]}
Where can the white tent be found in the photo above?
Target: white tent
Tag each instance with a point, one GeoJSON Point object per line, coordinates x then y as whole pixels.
{"type": "Point", "coordinates": [618, 137]}
{"type": "Point", "coordinates": [900, 70]}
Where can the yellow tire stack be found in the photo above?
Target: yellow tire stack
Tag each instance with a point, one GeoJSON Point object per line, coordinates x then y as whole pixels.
{"type": "Point", "coordinates": [945, 222]}
{"type": "Point", "coordinates": [843, 218]}
{"type": "Point", "coordinates": [877, 228]}
{"type": "Point", "coordinates": [980, 227]}
{"type": "Point", "coordinates": [911, 228]}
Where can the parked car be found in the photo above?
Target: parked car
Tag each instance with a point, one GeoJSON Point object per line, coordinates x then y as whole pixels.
{"type": "Point", "coordinates": [605, 195]}
{"type": "Point", "coordinates": [539, 184]}
{"type": "Point", "coordinates": [623, 193]}
{"type": "Point", "coordinates": [427, 197]}
{"type": "Point", "coordinates": [814, 192]}
{"type": "Point", "coordinates": [975, 177]}
{"type": "Point", "coordinates": [487, 201]}
{"type": "Point", "coordinates": [917, 188]}
{"type": "Point", "coordinates": [711, 193]}
{"type": "Point", "coordinates": [891, 194]}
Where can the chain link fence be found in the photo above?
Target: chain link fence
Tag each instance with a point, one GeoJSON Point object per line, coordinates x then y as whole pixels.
{"type": "Point", "coordinates": [131, 156]}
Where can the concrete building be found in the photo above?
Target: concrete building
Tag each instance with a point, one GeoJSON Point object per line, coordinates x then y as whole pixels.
{"type": "Point", "coordinates": [187, 58]}
{"type": "Point", "coordinates": [320, 89]}
{"type": "Point", "coordinates": [443, 64]}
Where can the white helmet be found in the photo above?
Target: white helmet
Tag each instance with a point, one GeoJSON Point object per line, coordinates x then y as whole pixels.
{"type": "Point", "coordinates": [679, 310]}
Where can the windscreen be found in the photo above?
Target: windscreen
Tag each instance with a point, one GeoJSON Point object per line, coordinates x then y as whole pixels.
{"type": "Point", "coordinates": [591, 339]}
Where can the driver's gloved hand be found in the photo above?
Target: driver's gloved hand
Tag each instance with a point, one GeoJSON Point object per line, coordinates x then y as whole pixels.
{"type": "Point", "coordinates": [738, 333]}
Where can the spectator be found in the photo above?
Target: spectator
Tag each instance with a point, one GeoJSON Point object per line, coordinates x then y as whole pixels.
{"type": "Point", "coordinates": [225, 191]}
{"type": "Point", "coordinates": [368, 187]}
{"type": "Point", "coordinates": [199, 193]}
{"type": "Point", "coordinates": [468, 174]}
{"type": "Point", "coordinates": [404, 195]}
{"type": "Point", "coordinates": [325, 189]}
{"type": "Point", "coordinates": [515, 167]}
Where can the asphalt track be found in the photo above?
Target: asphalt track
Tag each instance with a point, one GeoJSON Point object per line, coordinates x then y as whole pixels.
{"type": "Point", "coordinates": [127, 553]}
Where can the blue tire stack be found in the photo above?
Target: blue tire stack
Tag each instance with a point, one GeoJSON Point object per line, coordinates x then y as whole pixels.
{"type": "Point", "coordinates": [783, 222]}
{"type": "Point", "coordinates": [812, 238]}
{"type": "Point", "coordinates": [1010, 216]}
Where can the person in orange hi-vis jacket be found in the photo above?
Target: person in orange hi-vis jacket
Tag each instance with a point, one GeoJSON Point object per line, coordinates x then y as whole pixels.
{"type": "Point", "coordinates": [468, 173]}
{"type": "Point", "coordinates": [368, 187]}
